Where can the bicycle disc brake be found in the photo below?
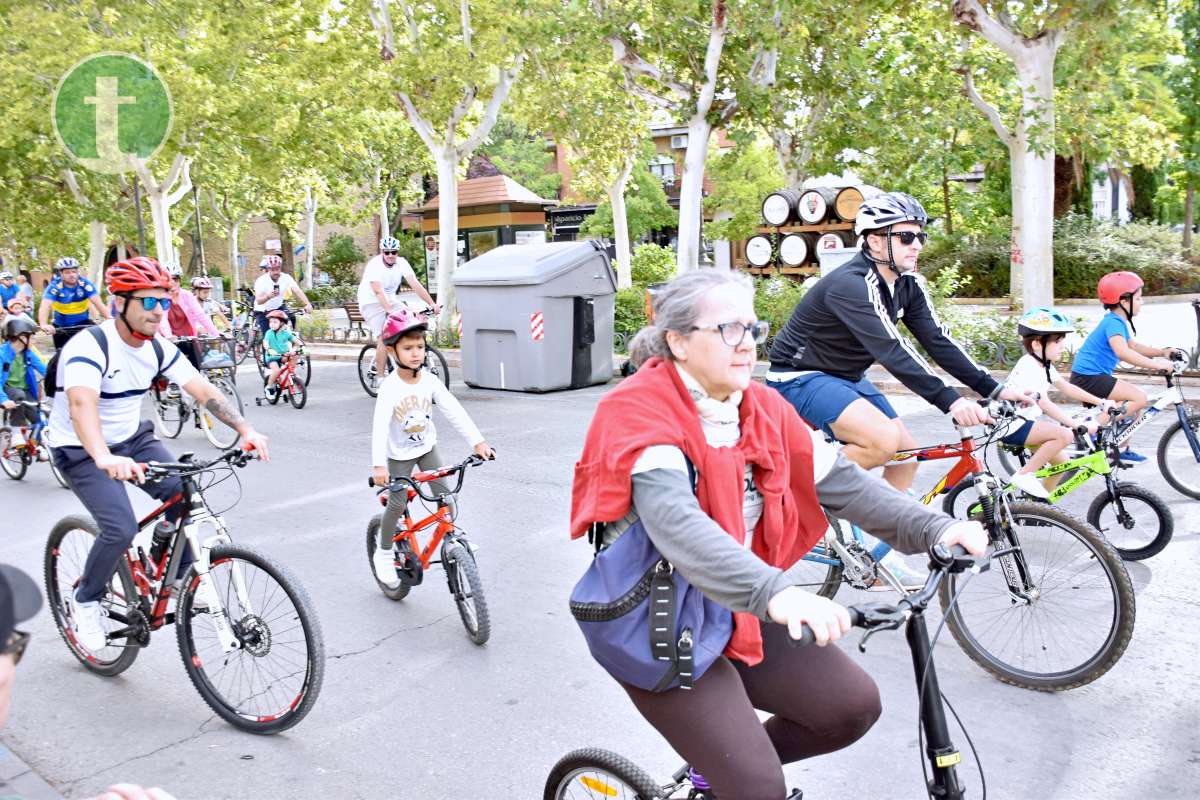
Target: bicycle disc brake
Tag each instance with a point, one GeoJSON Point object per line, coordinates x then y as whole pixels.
{"type": "Point", "coordinates": [408, 565]}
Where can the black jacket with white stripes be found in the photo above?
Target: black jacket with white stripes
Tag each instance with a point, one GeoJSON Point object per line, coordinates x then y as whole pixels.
{"type": "Point", "coordinates": [847, 321]}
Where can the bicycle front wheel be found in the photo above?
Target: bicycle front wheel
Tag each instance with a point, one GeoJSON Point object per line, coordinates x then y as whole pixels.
{"type": "Point", "coordinates": [435, 362]}
{"type": "Point", "coordinates": [1140, 527]}
{"type": "Point", "coordinates": [12, 459]}
{"type": "Point", "coordinates": [66, 554]}
{"type": "Point", "coordinates": [220, 435]}
{"type": "Point", "coordinates": [270, 682]}
{"type": "Point", "coordinates": [1176, 460]}
{"type": "Point", "coordinates": [596, 774]}
{"type": "Point", "coordinates": [1055, 614]}
{"type": "Point", "coordinates": [169, 412]}
{"type": "Point", "coordinates": [299, 393]}
{"type": "Point", "coordinates": [57, 473]}
{"type": "Point", "coordinates": [463, 577]}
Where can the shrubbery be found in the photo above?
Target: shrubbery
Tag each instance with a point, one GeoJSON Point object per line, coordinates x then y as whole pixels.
{"type": "Point", "coordinates": [651, 263]}
{"type": "Point", "coordinates": [339, 257]}
{"type": "Point", "coordinates": [1084, 250]}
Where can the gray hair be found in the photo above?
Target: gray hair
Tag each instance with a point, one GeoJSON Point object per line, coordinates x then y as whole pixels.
{"type": "Point", "coordinates": [677, 306]}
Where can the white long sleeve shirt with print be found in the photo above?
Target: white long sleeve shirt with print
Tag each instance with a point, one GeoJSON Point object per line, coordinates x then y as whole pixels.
{"type": "Point", "coordinates": [403, 426]}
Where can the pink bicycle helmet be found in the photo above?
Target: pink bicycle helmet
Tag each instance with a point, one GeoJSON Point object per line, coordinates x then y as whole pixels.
{"type": "Point", "coordinates": [400, 322]}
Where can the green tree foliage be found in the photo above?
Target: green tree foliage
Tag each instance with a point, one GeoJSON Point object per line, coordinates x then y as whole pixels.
{"type": "Point", "coordinates": [339, 257]}
{"type": "Point", "coordinates": [522, 155]}
{"type": "Point", "coordinates": [741, 178]}
{"type": "Point", "coordinates": [646, 209]}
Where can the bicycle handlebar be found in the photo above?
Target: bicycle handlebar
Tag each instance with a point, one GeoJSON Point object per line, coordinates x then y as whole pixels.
{"type": "Point", "coordinates": [236, 457]}
{"type": "Point", "coordinates": [880, 616]}
{"type": "Point", "coordinates": [419, 478]}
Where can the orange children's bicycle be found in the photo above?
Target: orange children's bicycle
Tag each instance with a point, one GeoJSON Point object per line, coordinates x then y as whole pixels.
{"type": "Point", "coordinates": [288, 383]}
{"type": "Point", "coordinates": [447, 539]}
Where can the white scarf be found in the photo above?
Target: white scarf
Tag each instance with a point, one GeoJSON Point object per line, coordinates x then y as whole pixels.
{"type": "Point", "coordinates": [716, 413]}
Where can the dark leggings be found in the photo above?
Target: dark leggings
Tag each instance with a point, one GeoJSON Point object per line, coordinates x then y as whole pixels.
{"type": "Point", "coordinates": [822, 701]}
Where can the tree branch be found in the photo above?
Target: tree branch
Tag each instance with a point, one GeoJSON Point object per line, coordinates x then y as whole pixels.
{"type": "Point", "coordinates": [464, 13]}
{"type": "Point", "coordinates": [73, 185]}
{"type": "Point", "coordinates": [492, 110]}
{"type": "Point", "coordinates": [971, 15]}
{"type": "Point", "coordinates": [712, 56]}
{"type": "Point", "coordinates": [185, 185]}
{"type": "Point", "coordinates": [636, 65]}
{"type": "Point", "coordinates": [420, 125]}
{"type": "Point", "coordinates": [987, 109]}
{"type": "Point", "coordinates": [381, 19]}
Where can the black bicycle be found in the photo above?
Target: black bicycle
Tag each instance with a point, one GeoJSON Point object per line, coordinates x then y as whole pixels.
{"type": "Point", "coordinates": [247, 631]}
{"type": "Point", "coordinates": [595, 774]}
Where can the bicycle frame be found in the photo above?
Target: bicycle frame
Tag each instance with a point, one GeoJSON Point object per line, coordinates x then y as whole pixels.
{"type": "Point", "coordinates": [440, 518]}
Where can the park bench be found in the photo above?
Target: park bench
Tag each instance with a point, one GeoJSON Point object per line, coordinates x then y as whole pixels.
{"type": "Point", "coordinates": [355, 317]}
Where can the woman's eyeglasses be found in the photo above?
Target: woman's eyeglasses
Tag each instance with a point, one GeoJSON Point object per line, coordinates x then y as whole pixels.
{"type": "Point", "coordinates": [908, 237]}
{"type": "Point", "coordinates": [734, 333]}
{"type": "Point", "coordinates": [148, 303]}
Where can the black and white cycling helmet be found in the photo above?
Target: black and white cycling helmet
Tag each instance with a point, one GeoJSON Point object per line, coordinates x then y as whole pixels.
{"type": "Point", "coordinates": [389, 243]}
{"type": "Point", "coordinates": [67, 262]}
{"type": "Point", "coordinates": [886, 210]}
{"type": "Point", "coordinates": [174, 270]}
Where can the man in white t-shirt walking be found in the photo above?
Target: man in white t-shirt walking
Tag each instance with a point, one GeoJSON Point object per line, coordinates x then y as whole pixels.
{"type": "Point", "coordinates": [97, 437]}
{"type": "Point", "coordinates": [271, 289]}
{"type": "Point", "coordinates": [377, 293]}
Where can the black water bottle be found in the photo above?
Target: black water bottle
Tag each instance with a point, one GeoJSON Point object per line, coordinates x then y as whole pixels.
{"type": "Point", "coordinates": [163, 532]}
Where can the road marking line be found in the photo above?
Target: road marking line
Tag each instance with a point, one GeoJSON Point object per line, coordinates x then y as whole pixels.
{"type": "Point", "coordinates": [319, 497]}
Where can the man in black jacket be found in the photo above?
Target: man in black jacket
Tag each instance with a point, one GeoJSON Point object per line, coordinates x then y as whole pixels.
{"type": "Point", "coordinates": [847, 321]}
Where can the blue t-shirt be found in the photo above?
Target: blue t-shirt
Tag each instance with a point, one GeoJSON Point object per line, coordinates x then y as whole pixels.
{"type": "Point", "coordinates": [8, 293]}
{"type": "Point", "coordinates": [1096, 356]}
{"type": "Point", "coordinates": [70, 303]}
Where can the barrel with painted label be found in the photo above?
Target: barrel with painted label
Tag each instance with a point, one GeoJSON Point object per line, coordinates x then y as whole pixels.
{"type": "Point", "coordinates": [796, 249]}
{"type": "Point", "coordinates": [779, 208]}
{"type": "Point", "coordinates": [847, 202]}
{"type": "Point", "coordinates": [813, 206]}
{"type": "Point", "coordinates": [833, 240]}
{"type": "Point", "coordinates": [759, 250]}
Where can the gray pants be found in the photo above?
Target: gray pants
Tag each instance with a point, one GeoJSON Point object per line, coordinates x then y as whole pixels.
{"type": "Point", "coordinates": [21, 415]}
{"type": "Point", "coordinates": [398, 501]}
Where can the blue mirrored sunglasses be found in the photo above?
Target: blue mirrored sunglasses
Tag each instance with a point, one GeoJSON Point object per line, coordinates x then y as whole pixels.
{"type": "Point", "coordinates": [149, 303]}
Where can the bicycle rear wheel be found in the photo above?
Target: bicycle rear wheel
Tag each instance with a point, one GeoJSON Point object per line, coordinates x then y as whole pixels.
{"type": "Point", "coordinates": [1176, 460]}
{"type": "Point", "coordinates": [1140, 528]}
{"type": "Point", "coordinates": [169, 412]}
{"type": "Point", "coordinates": [12, 459]}
{"type": "Point", "coordinates": [220, 435]}
{"type": "Point", "coordinates": [366, 369]}
{"type": "Point", "coordinates": [271, 681]}
{"type": "Point", "coordinates": [401, 591]}
{"type": "Point", "coordinates": [463, 578]}
{"type": "Point", "coordinates": [595, 774]}
{"type": "Point", "coordinates": [66, 554]}
{"type": "Point", "coordinates": [1055, 614]}
{"type": "Point", "coordinates": [435, 362]}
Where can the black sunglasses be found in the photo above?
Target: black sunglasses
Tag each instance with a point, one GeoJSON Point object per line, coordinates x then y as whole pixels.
{"type": "Point", "coordinates": [391, 252]}
{"type": "Point", "coordinates": [15, 646]}
{"type": "Point", "coordinates": [908, 237]}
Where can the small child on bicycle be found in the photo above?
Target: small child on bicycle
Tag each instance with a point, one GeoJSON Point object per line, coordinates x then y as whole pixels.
{"type": "Point", "coordinates": [1112, 341]}
{"type": "Point", "coordinates": [1043, 331]}
{"type": "Point", "coordinates": [403, 435]}
{"type": "Point", "coordinates": [20, 371]}
{"type": "Point", "coordinates": [276, 343]}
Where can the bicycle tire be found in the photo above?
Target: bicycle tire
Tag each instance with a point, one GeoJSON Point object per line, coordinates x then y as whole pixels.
{"type": "Point", "coordinates": [462, 576]}
{"type": "Point", "coordinates": [950, 501]}
{"type": "Point", "coordinates": [366, 358]}
{"type": "Point", "coordinates": [283, 713]}
{"type": "Point", "coordinates": [304, 368]}
{"type": "Point", "coordinates": [260, 358]}
{"type": "Point", "coordinates": [220, 435]}
{"type": "Point", "coordinates": [57, 473]}
{"type": "Point", "coordinates": [401, 591]}
{"type": "Point", "coordinates": [1115, 532]}
{"type": "Point", "coordinates": [1176, 476]}
{"type": "Point", "coordinates": [298, 395]}
{"type": "Point", "coordinates": [601, 774]}
{"type": "Point", "coordinates": [243, 342]}
{"type": "Point", "coordinates": [1117, 584]}
{"type": "Point", "coordinates": [435, 362]}
{"type": "Point", "coordinates": [1010, 462]}
{"type": "Point", "coordinates": [63, 565]}
{"type": "Point", "coordinates": [12, 459]}
{"type": "Point", "coordinates": [168, 427]}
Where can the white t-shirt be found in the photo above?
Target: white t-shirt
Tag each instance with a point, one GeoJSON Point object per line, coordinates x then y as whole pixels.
{"type": "Point", "coordinates": [265, 283]}
{"type": "Point", "coordinates": [402, 428]}
{"type": "Point", "coordinates": [121, 386]}
{"type": "Point", "coordinates": [390, 278]}
{"type": "Point", "coordinates": [1028, 375]}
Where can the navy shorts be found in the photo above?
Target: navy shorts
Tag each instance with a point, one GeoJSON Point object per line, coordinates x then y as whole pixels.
{"type": "Point", "coordinates": [1019, 436]}
{"type": "Point", "coordinates": [820, 398]}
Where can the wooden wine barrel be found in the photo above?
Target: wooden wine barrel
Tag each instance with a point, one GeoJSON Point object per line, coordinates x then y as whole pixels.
{"type": "Point", "coordinates": [814, 204]}
{"type": "Point", "coordinates": [833, 240]}
{"type": "Point", "coordinates": [759, 251]}
{"type": "Point", "coordinates": [779, 208]}
{"type": "Point", "coordinates": [847, 203]}
{"type": "Point", "coordinates": [796, 249]}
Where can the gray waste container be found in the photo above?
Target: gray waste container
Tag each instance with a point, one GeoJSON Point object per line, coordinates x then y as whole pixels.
{"type": "Point", "coordinates": [537, 317]}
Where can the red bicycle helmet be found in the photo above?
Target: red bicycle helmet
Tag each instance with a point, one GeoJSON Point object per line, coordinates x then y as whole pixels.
{"type": "Point", "coordinates": [1115, 285]}
{"type": "Point", "coordinates": [399, 322]}
{"type": "Point", "coordinates": [132, 274]}
{"type": "Point", "coordinates": [277, 314]}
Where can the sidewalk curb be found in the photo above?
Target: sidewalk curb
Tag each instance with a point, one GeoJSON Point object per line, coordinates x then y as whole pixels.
{"type": "Point", "coordinates": [18, 780]}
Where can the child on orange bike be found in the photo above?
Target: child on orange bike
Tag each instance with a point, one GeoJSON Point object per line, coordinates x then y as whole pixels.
{"type": "Point", "coordinates": [403, 435]}
{"type": "Point", "coordinates": [1043, 331]}
{"type": "Point", "coordinates": [276, 344]}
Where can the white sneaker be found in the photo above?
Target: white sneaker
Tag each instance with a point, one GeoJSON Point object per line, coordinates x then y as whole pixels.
{"type": "Point", "coordinates": [909, 578]}
{"type": "Point", "coordinates": [385, 568]}
{"type": "Point", "coordinates": [17, 439]}
{"type": "Point", "coordinates": [1030, 485]}
{"type": "Point", "coordinates": [88, 624]}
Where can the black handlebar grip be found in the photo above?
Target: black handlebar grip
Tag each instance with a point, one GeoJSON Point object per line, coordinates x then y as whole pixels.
{"type": "Point", "coordinates": [1081, 429]}
{"type": "Point", "coordinates": [806, 638]}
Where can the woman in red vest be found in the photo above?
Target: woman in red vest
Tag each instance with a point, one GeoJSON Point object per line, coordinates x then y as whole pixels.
{"type": "Point", "coordinates": [762, 477]}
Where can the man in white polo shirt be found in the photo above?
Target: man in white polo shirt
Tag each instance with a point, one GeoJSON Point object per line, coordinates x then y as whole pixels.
{"type": "Point", "coordinates": [381, 280]}
{"type": "Point", "coordinates": [271, 289]}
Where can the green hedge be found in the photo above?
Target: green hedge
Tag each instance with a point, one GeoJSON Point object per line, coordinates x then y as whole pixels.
{"type": "Point", "coordinates": [1084, 250]}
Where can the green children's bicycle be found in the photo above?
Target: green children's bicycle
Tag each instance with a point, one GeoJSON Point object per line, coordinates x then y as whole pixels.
{"type": "Point", "coordinates": [1137, 522]}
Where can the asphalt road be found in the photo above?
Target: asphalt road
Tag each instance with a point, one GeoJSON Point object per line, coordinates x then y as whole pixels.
{"type": "Point", "coordinates": [411, 709]}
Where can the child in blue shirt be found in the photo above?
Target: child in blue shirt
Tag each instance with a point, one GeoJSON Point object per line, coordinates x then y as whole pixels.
{"type": "Point", "coordinates": [1112, 341]}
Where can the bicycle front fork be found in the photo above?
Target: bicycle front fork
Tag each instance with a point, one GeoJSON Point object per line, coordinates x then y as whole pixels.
{"type": "Point", "coordinates": [942, 754]}
{"type": "Point", "coordinates": [206, 592]}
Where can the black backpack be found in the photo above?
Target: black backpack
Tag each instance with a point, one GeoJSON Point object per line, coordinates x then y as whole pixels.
{"type": "Point", "coordinates": [50, 381]}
